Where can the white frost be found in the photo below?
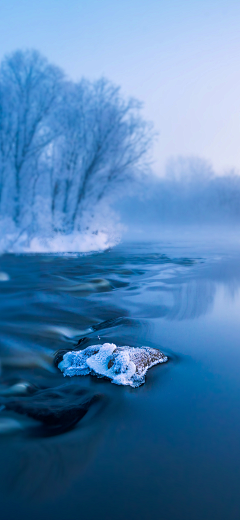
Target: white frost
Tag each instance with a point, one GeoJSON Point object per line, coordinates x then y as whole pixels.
{"type": "Point", "coordinates": [122, 365]}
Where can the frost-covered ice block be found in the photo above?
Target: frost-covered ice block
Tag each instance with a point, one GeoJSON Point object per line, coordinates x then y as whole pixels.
{"type": "Point", "coordinates": [122, 365]}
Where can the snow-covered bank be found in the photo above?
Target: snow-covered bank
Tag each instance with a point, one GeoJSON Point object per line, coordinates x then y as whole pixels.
{"type": "Point", "coordinates": [97, 233]}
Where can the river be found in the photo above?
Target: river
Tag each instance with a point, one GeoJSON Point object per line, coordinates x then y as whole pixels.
{"type": "Point", "coordinates": [169, 449]}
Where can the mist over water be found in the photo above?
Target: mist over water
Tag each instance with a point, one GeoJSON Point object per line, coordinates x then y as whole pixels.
{"type": "Point", "coordinates": [191, 199]}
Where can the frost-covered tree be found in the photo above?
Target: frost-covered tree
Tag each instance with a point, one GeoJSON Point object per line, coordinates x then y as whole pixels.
{"type": "Point", "coordinates": [63, 143]}
{"type": "Point", "coordinates": [102, 141]}
{"type": "Point", "coordinates": [29, 88]}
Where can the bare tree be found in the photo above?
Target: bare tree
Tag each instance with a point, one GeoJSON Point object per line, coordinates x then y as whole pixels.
{"type": "Point", "coordinates": [103, 141]}
{"type": "Point", "coordinates": [32, 86]}
{"type": "Point", "coordinates": [65, 142]}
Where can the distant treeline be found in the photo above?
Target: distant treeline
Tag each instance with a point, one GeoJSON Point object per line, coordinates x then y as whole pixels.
{"type": "Point", "coordinates": [189, 193]}
{"type": "Point", "coordinates": [63, 145]}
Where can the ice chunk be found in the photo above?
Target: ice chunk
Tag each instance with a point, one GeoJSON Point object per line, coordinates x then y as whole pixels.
{"type": "Point", "coordinates": [122, 365]}
{"type": "Point", "coordinates": [75, 363]}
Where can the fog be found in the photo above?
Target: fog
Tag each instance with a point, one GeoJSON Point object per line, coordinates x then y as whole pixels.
{"type": "Point", "coordinates": [76, 172]}
{"type": "Point", "coordinates": [191, 195]}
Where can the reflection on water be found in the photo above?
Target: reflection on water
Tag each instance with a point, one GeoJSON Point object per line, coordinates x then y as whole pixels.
{"type": "Point", "coordinates": [141, 439]}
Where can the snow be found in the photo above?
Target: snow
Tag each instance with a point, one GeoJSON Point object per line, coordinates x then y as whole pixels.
{"type": "Point", "coordinates": [122, 365]}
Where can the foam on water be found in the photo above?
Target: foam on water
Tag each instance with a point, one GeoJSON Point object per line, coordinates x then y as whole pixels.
{"type": "Point", "coordinates": [122, 365]}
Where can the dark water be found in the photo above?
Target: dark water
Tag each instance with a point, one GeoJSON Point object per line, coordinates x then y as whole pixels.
{"type": "Point", "coordinates": [169, 449]}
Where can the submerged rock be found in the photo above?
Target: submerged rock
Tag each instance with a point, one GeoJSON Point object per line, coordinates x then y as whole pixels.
{"type": "Point", "coordinates": [59, 409]}
{"type": "Point", "coordinates": [18, 388]}
{"type": "Point", "coordinates": [122, 365]}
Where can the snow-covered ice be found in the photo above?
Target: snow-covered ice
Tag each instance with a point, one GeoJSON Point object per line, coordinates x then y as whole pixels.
{"type": "Point", "coordinates": [122, 365]}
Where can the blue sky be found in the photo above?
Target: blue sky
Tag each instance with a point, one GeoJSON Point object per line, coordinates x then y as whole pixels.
{"type": "Point", "coordinates": [181, 58]}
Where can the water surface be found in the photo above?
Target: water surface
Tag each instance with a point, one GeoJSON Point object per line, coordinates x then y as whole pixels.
{"type": "Point", "coordinates": [169, 449]}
